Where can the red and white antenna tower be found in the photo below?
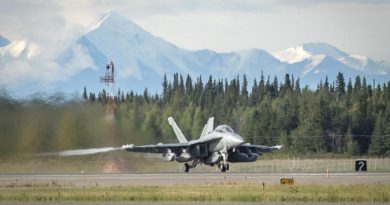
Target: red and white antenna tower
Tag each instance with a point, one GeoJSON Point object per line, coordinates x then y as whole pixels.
{"type": "Point", "coordinates": [109, 80]}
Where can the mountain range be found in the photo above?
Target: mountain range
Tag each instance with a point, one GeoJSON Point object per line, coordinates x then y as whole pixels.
{"type": "Point", "coordinates": [141, 60]}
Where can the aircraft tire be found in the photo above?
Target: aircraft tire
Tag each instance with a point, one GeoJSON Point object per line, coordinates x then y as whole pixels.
{"type": "Point", "coordinates": [186, 167]}
{"type": "Point", "coordinates": [223, 168]}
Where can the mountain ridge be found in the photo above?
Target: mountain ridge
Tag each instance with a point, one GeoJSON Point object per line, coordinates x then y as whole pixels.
{"type": "Point", "coordinates": [150, 57]}
{"type": "Point", "coordinates": [142, 59]}
{"type": "Point", "coordinates": [4, 41]}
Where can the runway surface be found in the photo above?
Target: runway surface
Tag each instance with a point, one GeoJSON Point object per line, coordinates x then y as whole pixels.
{"type": "Point", "coordinates": [161, 179]}
{"type": "Point", "coordinates": [189, 203]}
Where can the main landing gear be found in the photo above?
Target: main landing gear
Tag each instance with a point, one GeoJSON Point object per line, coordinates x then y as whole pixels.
{"type": "Point", "coordinates": [186, 167]}
{"type": "Point", "coordinates": [224, 167]}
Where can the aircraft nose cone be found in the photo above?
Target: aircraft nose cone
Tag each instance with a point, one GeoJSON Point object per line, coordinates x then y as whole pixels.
{"type": "Point", "coordinates": [237, 140]}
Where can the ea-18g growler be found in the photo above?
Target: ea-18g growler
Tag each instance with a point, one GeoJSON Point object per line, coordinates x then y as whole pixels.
{"type": "Point", "coordinates": [217, 146]}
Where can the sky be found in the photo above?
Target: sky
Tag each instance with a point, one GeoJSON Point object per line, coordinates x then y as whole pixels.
{"type": "Point", "coordinates": [50, 26]}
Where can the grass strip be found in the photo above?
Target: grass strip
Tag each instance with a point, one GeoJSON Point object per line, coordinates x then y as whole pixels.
{"type": "Point", "coordinates": [231, 192]}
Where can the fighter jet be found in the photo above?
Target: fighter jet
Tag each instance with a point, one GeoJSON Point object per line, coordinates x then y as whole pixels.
{"type": "Point", "coordinates": [217, 146]}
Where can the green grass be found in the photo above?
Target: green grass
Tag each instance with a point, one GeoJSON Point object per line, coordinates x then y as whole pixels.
{"type": "Point", "coordinates": [140, 163]}
{"type": "Point", "coordinates": [244, 192]}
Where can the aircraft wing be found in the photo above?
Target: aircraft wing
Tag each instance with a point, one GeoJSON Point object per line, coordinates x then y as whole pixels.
{"type": "Point", "coordinates": [156, 148]}
{"type": "Point", "coordinates": [162, 148]}
{"type": "Point", "coordinates": [260, 148]}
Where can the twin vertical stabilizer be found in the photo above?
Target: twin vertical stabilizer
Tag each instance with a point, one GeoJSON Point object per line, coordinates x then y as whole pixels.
{"type": "Point", "coordinates": [176, 129]}
{"type": "Point", "coordinates": [208, 127]}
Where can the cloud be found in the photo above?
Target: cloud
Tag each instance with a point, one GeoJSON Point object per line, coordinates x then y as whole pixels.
{"type": "Point", "coordinates": [79, 62]}
{"type": "Point", "coordinates": [24, 63]}
{"type": "Point", "coordinates": [52, 26]}
{"type": "Point", "coordinates": [40, 31]}
{"type": "Point", "coordinates": [56, 24]}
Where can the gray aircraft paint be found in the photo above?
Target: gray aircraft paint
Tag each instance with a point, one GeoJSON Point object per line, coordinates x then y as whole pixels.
{"type": "Point", "coordinates": [213, 147]}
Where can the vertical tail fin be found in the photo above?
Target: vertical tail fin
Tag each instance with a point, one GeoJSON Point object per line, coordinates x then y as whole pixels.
{"type": "Point", "coordinates": [208, 127]}
{"type": "Point", "coordinates": [176, 129]}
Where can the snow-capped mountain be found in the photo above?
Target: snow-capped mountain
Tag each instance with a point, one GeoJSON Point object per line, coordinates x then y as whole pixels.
{"type": "Point", "coordinates": [141, 60]}
{"type": "Point", "coordinates": [315, 53]}
{"type": "Point", "coordinates": [15, 57]}
{"type": "Point", "coordinates": [17, 49]}
{"type": "Point", "coordinates": [4, 41]}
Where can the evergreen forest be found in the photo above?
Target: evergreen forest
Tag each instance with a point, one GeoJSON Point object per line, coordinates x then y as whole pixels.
{"type": "Point", "coordinates": [349, 117]}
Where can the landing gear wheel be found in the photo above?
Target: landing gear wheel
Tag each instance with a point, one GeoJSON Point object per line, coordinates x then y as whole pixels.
{"type": "Point", "coordinates": [222, 168]}
{"type": "Point", "coordinates": [227, 167]}
{"type": "Point", "coordinates": [186, 167]}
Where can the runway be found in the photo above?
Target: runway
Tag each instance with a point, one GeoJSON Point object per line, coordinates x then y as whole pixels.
{"type": "Point", "coordinates": [188, 203]}
{"type": "Point", "coordinates": [162, 179]}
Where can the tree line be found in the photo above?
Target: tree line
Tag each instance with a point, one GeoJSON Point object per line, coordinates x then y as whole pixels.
{"type": "Point", "coordinates": [342, 117]}
{"type": "Point", "coordinates": [347, 117]}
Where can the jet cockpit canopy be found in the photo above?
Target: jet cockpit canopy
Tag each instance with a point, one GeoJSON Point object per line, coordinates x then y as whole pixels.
{"type": "Point", "coordinates": [224, 129]}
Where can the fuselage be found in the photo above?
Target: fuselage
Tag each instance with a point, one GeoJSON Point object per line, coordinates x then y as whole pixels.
{"type": "Point", "coordinates": [215, 147]}
{"type": "Point", "coordinates": [228, 139]}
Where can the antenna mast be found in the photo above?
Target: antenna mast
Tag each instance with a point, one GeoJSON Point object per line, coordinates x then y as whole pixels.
{"type": "Point", "coordinates": [109, 80]}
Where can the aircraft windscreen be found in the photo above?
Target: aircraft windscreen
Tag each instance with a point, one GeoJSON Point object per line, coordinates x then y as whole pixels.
{"type": "Point", "coordinates": [224, 128]}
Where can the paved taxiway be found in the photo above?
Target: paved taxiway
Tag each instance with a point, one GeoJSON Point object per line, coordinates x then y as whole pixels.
{"type": "Point", "coordinates": [192, 178]}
